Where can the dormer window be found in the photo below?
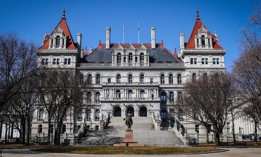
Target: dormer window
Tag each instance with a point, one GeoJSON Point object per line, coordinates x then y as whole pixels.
{"type": "Point", "coordinates": [130, 58]}
{"type": "Point", "coordinates": [142, 58]}
{"type": "Point", "coordinates": [57, 43]}
{"type": "Point", "coordinates": [203, 43]}
{"type": "Point", "coordinates": [118, 58]}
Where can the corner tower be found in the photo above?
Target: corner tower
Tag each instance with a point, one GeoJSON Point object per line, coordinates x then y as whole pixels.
{"type": "Point", "coordinates": [58, 49]}
{"type": "Point", "coordinates": [202, 53]}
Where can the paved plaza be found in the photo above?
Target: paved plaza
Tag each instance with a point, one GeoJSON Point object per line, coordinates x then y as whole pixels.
{"type": "Point", "coordinates": [232, 152]}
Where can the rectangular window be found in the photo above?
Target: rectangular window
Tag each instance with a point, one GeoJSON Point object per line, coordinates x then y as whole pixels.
{"type": "Point", "coordinates": [46, 61]}
{"type": "Point", "coordinates": [65, 60]}
{"type": "Point", "coordinates": [151, 80]}
{"type": "Point", "coordinates": [58, 61]}
{"type": "Point", "coordinates": [124, 59]}
{"type": "Point", "coordinates": [204, 60]}
{"type": "Point", "coordinates": [54, 61]}
{"type": "Point", "coordinates": [109, 80]}
{"type": "Point", "coordinates": [215, 60]}
{"type": "Point", "coordinates": [43, 61]}
{"type": "Point", "coordinates": [193, 60]}
{"type": "Point", "coordinates": [136, 59]}
{"type": "Point", "coordinates": [69, 61]}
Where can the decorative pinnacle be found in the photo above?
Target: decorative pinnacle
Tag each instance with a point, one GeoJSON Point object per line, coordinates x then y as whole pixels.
{"type": "Point", "coordinates": [63, 13]}
{"type": "Point", "coordinates": [197, 15]}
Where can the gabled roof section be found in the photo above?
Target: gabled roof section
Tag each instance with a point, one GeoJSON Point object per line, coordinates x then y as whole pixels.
{"type": "Point", "coordinates": [62, 26]}
{"type": "Point", "coordinates": [197, 27]}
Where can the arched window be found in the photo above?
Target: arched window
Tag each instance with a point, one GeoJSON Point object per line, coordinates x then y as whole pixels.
{"type": "Point", "coordinates": [57, 44]}
{"type": "Point", "coordinates": [142, 58]}
{"type": "Point", "coordinates": [162, 79]}
{"type": "Point", "coordinates": [130, 58]}
{"type": "Point", "coordinates": [179, 95]}
{"type": "Point", "coordinates": [171, 97]}
{"type": "Point", "coordinates": [97, 127]}
{"type": "Point", "coordinates": [118, 94]}
{"type": "Point", "coordinates": [170, 79]}
{"type": "Point", "coordinates": [89, 97]}
{"type": "Point", "coordinates": [118, 78]}
{"type": "Point", "coordinates": [142, 93]}
{"type": "Point", "coordinates": [179, 79]}
{"type": "Point", "coordinates": [40, 115]}
{"type": "Point", "coordinates": [130, 78]}
{"type": "Point", "coordinates": [88, 114]}
{"type": "Point", "coordinates": [130, 93]}
{"type": "Point", "coordinates": [163, 97]}
{"type": "Point", "coordinates": [194, 77]}
{"type": "Point", "coordinates": [98, 77]}
{"type": "Point", "coordinates": [89, 79]}
{"type": "Point", "coordinates": [97, 97]}
{"type": "Point", "coordinates": [141, 78]}
{"type": "Point", "coordinates": [40, 128]}
{"type": "Point", "coordinates": [203, 41]}
{"type": "Point", "coordinates": [63, 130]}
{"type": "Point", "coordinates": [197, 128]}
{"type": "Point", "coordinates": [97, 114]}
{"type": "Point", "coordinates": [118, 58]}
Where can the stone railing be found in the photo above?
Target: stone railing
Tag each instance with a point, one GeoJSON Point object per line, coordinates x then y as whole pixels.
{"type": "Point", "coordinates": [180, 131]}
{"type": "Point", "coordinates": [156, 120]}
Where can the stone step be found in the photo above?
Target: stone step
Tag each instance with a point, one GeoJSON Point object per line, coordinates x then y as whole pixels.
{"type": "Point", "coordinates": [143, 132]}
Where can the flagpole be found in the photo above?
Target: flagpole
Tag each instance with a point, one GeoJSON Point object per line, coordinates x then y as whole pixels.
{"type": "Point", "coordinates": [123, 30]}
{"type": "Point", "coordinates": [138, 33]}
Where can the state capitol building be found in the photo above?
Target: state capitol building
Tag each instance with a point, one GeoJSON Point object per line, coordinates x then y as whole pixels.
{"type": "Point", "coordinates": [145, 79]}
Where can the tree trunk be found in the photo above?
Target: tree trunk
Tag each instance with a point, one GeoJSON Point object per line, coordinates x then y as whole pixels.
{"type": "Point", "coordinates": [217, 138]}
{"type": "Point", "coordinates": [233, 128]}
{"type": "Point", "coordinates": [6, 133]}
{"type": "Point", "coordinates": [255, 133]}
{"type": "Point", "coordinates": [49, 130]}
{"type": "Point", "coordinates": [28, 131]}
{"type": "Point", "coordinates": [23, 130]}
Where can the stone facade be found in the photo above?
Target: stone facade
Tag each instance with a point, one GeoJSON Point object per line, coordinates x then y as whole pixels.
{"type": "Point", "coordinates": [145, 79]}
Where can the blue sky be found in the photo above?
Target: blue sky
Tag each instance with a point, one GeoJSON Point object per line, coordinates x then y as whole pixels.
{"type": "Point", "coordinates": [30, 19]}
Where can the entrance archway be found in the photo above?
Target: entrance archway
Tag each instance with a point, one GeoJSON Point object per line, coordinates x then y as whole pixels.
{"type": "Point", "coordinates": [117, 111]}
{"type": "Point", "coordinates": [130, 109]}
{"type": "Point", "coordinates": [143, 111]}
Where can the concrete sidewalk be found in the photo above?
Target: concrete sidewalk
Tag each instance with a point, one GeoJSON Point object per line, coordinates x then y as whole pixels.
{"type": "Point", "coordinates": [233, 152]}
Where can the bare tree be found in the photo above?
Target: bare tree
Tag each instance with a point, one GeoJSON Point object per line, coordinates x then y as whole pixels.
{"type": "Point", "coordinates": [247, 71]}
{"type": "Point", "coordinates": [22, 107]}
{"type": "Point", "coordinates": [59, 90]}
{"type": "Point", "coordinates": [206, 101]}
{"type": "Point", "coordinates": [17, 60]}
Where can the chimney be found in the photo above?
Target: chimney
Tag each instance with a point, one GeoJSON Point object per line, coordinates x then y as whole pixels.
{"type": "Point", "coordinates": [153, 38]}
{"type": "Point", "coordinates": [181, 41]}
{"type": "Point", "coordinates": [108, 37]}
{"type": "Point", "coordinates": [45, 36]}
{"type": "Point", "coordinates": [79, 40]}
{"type": "Point", "coordinates": [91, 49]}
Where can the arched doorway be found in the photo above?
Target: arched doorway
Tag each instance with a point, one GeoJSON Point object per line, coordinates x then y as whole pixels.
{"type": "Point", "coordinates": [117, 111]}
{"type": "Point", "coordinates": [130, 109]}
{"type": "Point", "coordinates": [143, 111]}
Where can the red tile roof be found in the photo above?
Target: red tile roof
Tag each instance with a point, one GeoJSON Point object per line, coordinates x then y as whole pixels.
{"type": "Point", "coordinates": [63, 26]}
{"type": "Point", "coordinates": [198, 25]}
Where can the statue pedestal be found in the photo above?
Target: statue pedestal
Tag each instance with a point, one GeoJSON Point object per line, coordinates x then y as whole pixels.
{"type": "Point", "coordinates": [128, 141]}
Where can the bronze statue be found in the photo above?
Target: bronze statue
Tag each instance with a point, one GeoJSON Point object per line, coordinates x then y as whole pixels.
{"type": "Point", "coordinates": [128, 120]}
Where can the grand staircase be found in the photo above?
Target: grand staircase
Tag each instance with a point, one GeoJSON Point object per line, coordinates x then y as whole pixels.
{"type": "Point", "coordinates": [143, 130]}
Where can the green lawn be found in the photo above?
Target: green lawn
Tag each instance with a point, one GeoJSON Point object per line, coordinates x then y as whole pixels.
{"type": "Point", "coordinates": [128, 150]}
